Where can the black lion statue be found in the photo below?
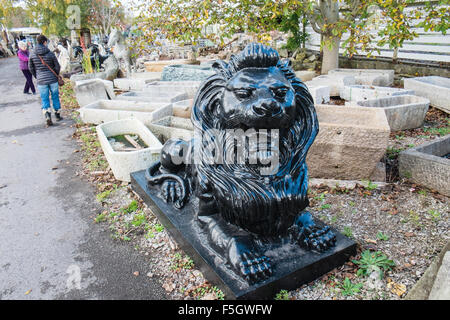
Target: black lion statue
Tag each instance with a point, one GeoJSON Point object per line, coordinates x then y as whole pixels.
{"type": "Point", "coordinates": [241, 208]}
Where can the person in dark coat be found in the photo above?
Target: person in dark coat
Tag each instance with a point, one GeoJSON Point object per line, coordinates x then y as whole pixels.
{"type": "Point", "coordinates": [23, 65]}
{"type": "Point", "coordinates": [47, 81]}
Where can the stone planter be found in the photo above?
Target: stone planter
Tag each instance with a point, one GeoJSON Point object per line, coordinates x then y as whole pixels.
{"type": "Point", "coordinates": [88, 76]}
{"type": "Point", "coordinates": [427, 165]}
{"type": "Point", "coordinates": [172, 127]}
{"type": "Point", "coordinates": [137, 81]}
{"type": "Point", "coordinates": [185, 72]}
{"type": "Point", "coordinates": [350, 143]}
{"type": "Point", "coordinates": [365, 92]}
{"type": "Point", "coordinates": [305, 75]}
{"type": "Point", "coordinates": [335, 81]}
{"type": "Point", "coordinates": [144, 96]}
{"type": "Point", "coordinates": [158, 66]}
{"type": "Point", "coordinates": [374, 77]}
{"type": "Point", "coordinates": [123, 163]}
{"type": "Point", "coordinates": [89, 91]}
{"type": "Point", "coordinates": [111, 110]}
{"type": "Point", "coordinates": [320, 94]}
{"type": "Point", "coordinates": [434, 88]}
{"type": "Point", "coordinates": [403, 112]}
{"type": "Point", "coordinates": [169, 87]}
{"type": "Point", "coordinates": [183, 108]}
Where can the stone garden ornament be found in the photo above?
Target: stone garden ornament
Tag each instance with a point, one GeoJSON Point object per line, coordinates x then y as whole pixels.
{"type": "Point", "coordinates": [235, 196]}
{"type": "Point", "coordinates": [121, 50]}
{"type": "Point", "coordinates": [244, 205]}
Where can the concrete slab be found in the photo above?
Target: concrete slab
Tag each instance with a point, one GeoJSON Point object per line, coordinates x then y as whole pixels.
{"type": "Point", "coordinates": [123, 163]}
{"type": "Point", "coordinates": [403, 112]}
{"type": "Point", "coordinates": [111, 110]}
{"type": "Point", "coordinates": [434, 88]}
{"type": "Point", "coordinates": [366, 92]}
{"type": "Point", "coordinates": [350, 143]}
{"type": "Point", "coordinates": [427, 165]}
{"type": "Point", "coordinates": [132, 84]}
{"type": "Point", "coordinates": [374, 77]}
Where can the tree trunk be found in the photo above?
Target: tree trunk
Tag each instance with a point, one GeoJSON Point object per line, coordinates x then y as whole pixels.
{"type": "Point", "coordinates": [330, 58]}
{"type": "Point", "coordinates": [395, 55]}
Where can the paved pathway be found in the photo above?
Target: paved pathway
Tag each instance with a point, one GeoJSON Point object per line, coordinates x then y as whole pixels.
{"type": "Point", "coordinates": [47, 232]}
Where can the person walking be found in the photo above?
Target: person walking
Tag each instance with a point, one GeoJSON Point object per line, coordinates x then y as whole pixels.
{"type": "Point", "coordinates": [23, 65]}
{"type": "Point", "coordinates": [44, 67]}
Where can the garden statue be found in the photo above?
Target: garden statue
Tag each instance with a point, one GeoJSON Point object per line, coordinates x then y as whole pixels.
{"type": "Point", "coordinates": [63, 59]}
{"type": "Point", "coordinates": [121, 51]}
{"type": "Point", "coordinates": [245, 206]}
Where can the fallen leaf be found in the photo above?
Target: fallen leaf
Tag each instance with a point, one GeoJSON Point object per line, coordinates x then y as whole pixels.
{"type": "Point", "coordinates": [28, 292]}
{"type": "Point", "coordinates": [136, 273]}
{"type": "Point", "coordinates": [397, 288]}
{"type": "Point", "coordinates": [409, 234]}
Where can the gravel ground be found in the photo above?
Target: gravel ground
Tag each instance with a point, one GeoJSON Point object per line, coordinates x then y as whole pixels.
{"type": "Point", "coordinates": [401, 222]}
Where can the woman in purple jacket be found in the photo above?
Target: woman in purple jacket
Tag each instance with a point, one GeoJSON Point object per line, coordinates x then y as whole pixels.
{"type": "Point", "coordinates": [23, 64]}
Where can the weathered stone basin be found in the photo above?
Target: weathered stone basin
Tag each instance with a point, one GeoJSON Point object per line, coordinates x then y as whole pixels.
{"type": "Point", "coordinates": [123, 163]}
{"type": "Point", "coordinates": [111, 110]}
{"type": "Point", "coordinates": [366, 92]}
{"type": "Point", "coordinates": [164, 87]}
{"type": "Point", "coordinates": [172, 127]}
{"type": "Point", "coordinates": [186, 72]}
{"type": "Point", "coordinates": [351, 142]}
{"type": "Point", "coordinates": [145, 96]}
{"type": "Point", "coordinates": [183, 108]}
{"type": "Point", "coordinates": [403, 112]}
{"type": "Point", "coordinates": [434, 88]}
{"type": "Point", "coordinates": [427, 165]}
{"type": "Point", "coordinates": [374, 77]}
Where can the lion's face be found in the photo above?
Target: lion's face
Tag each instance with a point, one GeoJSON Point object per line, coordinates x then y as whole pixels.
{"type": "Point", "coordinates": [258, 98]}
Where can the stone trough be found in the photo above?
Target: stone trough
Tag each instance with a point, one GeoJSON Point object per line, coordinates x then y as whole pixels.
{"type": "Point", "coordinates": [186, 72]}
{"type": "Point", "coordinates": [145, 96]}
{"type": "Point", "coordinates": [320, 94]}
{"type": "Point", "coordinates": [374, 77]}
{"type": "Point", "coordinates": [434, 88]}
{"type": "Point", "coordinates": [172, 127]}
{"type": "Point", "coordinates": [366, 92]}
{"type": "Point", "coordinates": [351, 142]}
{"type": "Point", "coordinates": [183, 108]}
{"type": "Point", "coordinates": [137, 81]}
{"type": "Point", "coordinates": [428, 165]}
{"type": "Point", "coordinates": [123, 163]}
{"type": "Point", "coordinates": [111, 110]}
{"type": "Point", "coordinates": [335, 81]}
{"type": "Point", "coordinates": [170, 87]}
{"type": "Point", "coordinates": [403, 112]}
{"type": "Point", "coordinates": [89, 91]}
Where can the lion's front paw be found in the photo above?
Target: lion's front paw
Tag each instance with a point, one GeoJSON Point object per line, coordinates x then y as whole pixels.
{"type": "Point", "coordinates": [171, 191]}
{"type": "Point", "coordinates": [311, 237]}
{"type": "Point", "coordinates": [246, 260]}
{"type": "Point", "coordinates": [315, 238]}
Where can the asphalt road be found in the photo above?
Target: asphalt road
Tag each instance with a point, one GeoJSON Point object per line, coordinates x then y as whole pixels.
{"type": "Point", "coordinates": [50, 248]}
